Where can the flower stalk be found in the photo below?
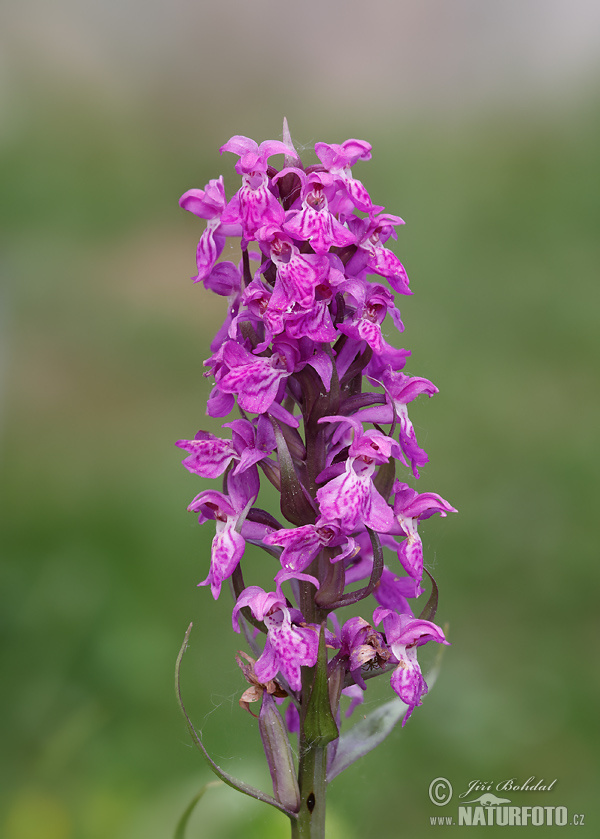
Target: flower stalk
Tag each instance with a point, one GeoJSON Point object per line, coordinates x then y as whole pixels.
{"type": "Point", "coordinates": [318, 729]}
{"type": "Point", "coordinates": [323, 413]}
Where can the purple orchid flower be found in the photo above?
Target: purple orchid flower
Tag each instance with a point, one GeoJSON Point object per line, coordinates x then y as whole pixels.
{"type": "Point", "coordinates": [254, 205]}
{"type": "Point", "coordinates": [410, 508]}
{"type": "Point", "coordinates": [289, 645]}
{"type": "Point", "coordinates": [371, 234]}
{"type": "Point", "coordinates": [302, 544]}
{"type": "Point", "coordinates": [401, 389]}
{"type": "Point", "coordinates": [353, 500]}
{"type": "Point", "coordinates": [373, 302]}
{"type": "Point", "coordinates": [210, 455]}
{"type": "Point", "coordinates": [362, 645]}
{"type": "Point", "coordinates": [337, 160]}
{"type": "Point", "coordinates": [209, 203]}
{"type": "Point", "coordinates": [255, 380]}
{"type": "Point", "coordinates": [298, 274]}
{"type": "Point", "coordinates": [404, 634]}
{"type": "Point", "coordinates": [228, 512]}
{"type": "Point", "coordinates": [314, 221]}
{"type": "Point", "coordinates": [351, 497]}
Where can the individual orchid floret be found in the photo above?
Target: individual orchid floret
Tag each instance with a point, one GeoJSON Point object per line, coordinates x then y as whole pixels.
{"type": "Point", "coordinates": [373, 302]}
{"type": "Point", "coordinates": [337, 160]}
{"type": "Point", "coordinates": [401, 389]}
{"type": "Point", "coordinates": [388, 357]}
{"type": "Point", "coordinates": [302, 544]}
{"type": "Point", "coordinates": [254, 205]}
{"type": "Point", "coordinates": [351, 497]}
{"type": "Point", "coordinates": [298, 274]}
{"type": "Point", "coordinates": [209, 455]}
{"type": "Point", "coordinates": [209, 203]}
{"type": "Point", "coordinates": [371, 234]}
{"type": "Point", "coordinates": [255, 380]}
{"type": "Point", "coordinates": [255, 692]}
{"type": "Point", "coordinates": [228, 544]}
{"type": "Point", "coordinates": [314, 221]}
{"type": "Point", "coordinates": [393, 591]}
{"type": "Point", "coordinates": [363, 646]}
{"type": "Point", "coordinates": [371, 446]}
{"type": "Point", "coordinates": [353, 500]}
{"type": "Point", "coordinates": [289, 645]}
{"type": "Point", "coordinates": [410, 508]}
{"type": "Point", "coordinates": [404, 634]}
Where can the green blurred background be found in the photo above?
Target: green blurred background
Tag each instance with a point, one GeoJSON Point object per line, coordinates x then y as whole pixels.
{"type": "Point", "coordinates": [485, 125]}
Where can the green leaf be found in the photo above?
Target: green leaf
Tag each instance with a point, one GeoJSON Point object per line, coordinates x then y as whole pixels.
{"type": "Point", "coordinates": [276, 744]}
{"type": "Point", "coordinates": [365, 735]}
{"type": "Point", "coordinates": [295, 506]}
{"type": "Point", "coordinates": [182, 823]}
{"type": "Point", "coordinates": [430, 608]}
{"type": "Point", "coordinates": [319, 724]}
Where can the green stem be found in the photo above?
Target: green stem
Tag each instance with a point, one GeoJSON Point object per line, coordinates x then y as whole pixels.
{"type": "Point", "coordinates": [312, 769]}
{"type": "Point", "coordinates": [317, 722]}
{"type": "Point", "coordinates": [310, 823]}
{"type": "Point", "coordinates": [317, 730]}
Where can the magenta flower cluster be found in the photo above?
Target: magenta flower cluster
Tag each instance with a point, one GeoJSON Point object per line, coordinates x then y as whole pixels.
{"type": "Point", "coordinates": [323, 416]}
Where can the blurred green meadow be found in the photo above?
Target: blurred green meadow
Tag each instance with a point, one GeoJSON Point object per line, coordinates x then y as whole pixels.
{"type": "Point", "coordinates": [104, 337]}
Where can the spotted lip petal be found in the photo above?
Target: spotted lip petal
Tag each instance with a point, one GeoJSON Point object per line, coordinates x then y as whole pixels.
{"type": "Point", "coordinates": [372, 256]}
{"type": "Point", "coordinates": [313, 221]}
{"type": "Point", "coordinates": [253, 379]}
{"type": "Point", "coordinates": [228, 511]}
{"type": "Point", "coordinates": [353, 499]}
{"type": "Point", "coordinates": [408, 682]}
{"type": "Point", "coordinates": [226, 551]}
{"type": "Point", "coordinates": [290, 648]}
